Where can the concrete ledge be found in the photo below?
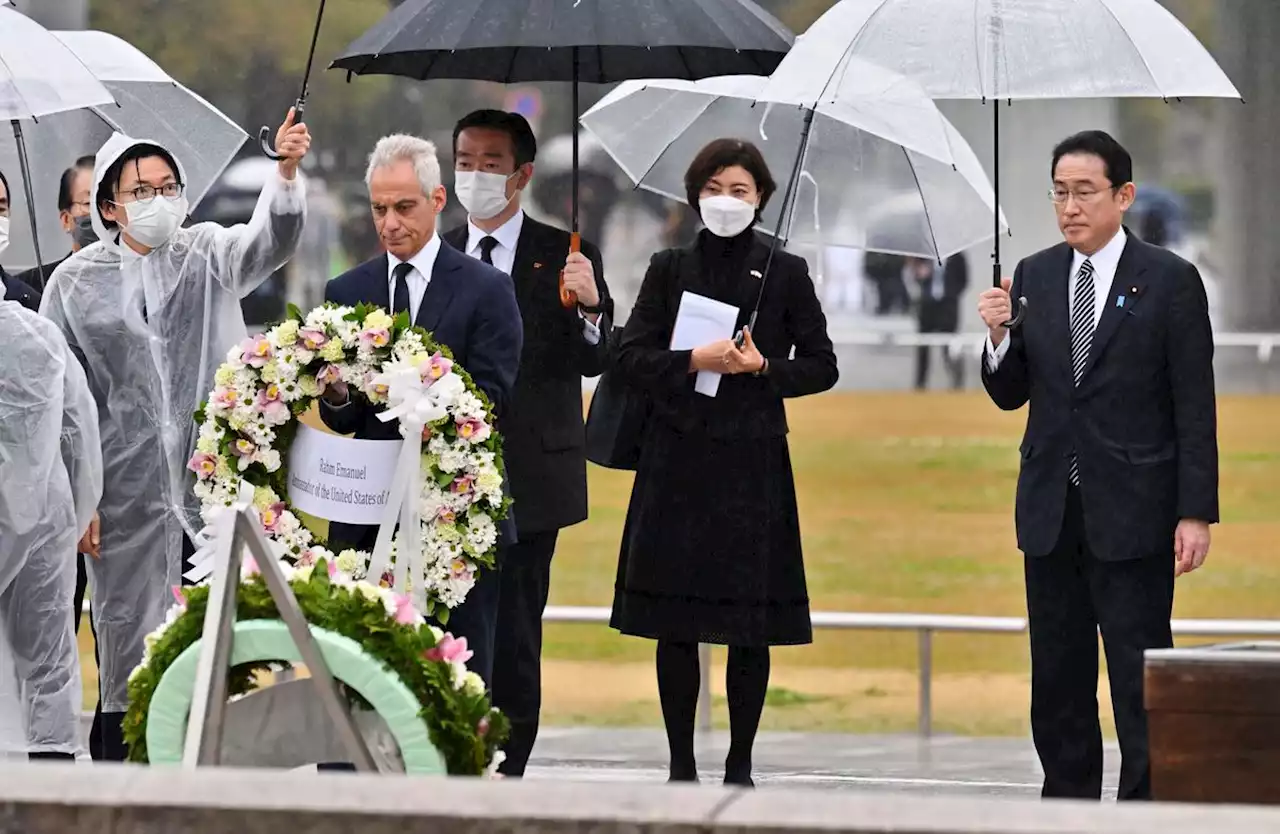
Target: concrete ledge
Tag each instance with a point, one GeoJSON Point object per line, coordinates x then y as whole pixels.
{"type": "Point", "coordinates": [56, 799]}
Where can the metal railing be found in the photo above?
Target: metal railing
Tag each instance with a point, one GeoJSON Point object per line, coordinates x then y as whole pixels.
{"type": "Point", "coordinates": [925, 626]}
{"type": "Point", "coordinates": [961, 344]}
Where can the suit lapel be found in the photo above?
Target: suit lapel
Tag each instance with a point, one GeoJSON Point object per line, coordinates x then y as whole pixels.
{"type": "Point", "coordinates": [1057, 316]}
{"type": "Point", "coordinates": [1126, 289]}
{"type": "Point", "coordinates": [440, 290]}
{"type": "Point", "coordinates": [380, 279]}
{"type": "Point", "coordinates": [534, 262]}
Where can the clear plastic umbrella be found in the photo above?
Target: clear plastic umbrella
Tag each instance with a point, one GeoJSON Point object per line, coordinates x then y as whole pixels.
{"type": "Point", "coordinates": [39, 77]}
{"type": "Point", "coordinates": [878, 168]}
{"type": "Point", "coordinates": [147, 103]}
{"type": "Point", "coordinates": [1011, 49]}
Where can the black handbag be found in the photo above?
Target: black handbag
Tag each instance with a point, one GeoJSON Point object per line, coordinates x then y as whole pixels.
{"type": "Point", "coordinates": [617, 417]}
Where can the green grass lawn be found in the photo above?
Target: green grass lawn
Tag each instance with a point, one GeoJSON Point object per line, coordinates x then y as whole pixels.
{"type": "Point", "coordinates": [906, 504]}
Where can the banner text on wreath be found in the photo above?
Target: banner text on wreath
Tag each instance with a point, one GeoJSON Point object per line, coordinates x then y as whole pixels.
{"type": "Point", "coordinates": [340, 479]}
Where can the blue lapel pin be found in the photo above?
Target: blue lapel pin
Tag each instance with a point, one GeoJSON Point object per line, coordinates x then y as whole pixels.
{"type": "Point", "coordinates": [1120, 301]}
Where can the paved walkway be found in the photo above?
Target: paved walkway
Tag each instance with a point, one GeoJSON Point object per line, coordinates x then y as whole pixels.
{"type": "Point", "coordinates": [956, 766]}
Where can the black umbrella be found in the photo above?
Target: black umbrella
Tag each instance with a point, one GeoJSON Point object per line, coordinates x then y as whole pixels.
{"type": "Point", "coordinates": [596, 41]}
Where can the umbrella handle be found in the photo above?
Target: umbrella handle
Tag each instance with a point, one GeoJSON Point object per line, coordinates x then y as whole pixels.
{"type": "Point", "coordinates": [569, 298]}
{"type": "Point", "coordinates": [1019, 313]}
{"type": "Point", "coordinates": [264, 133]}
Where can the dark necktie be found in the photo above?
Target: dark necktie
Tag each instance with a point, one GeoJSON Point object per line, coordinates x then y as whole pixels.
{"type": "Point", "coordinates": [400, 302]}
{"type": "Point", "coordinates": [486, 249]}
{"type": "Point", "coordinates": [1082, 327]}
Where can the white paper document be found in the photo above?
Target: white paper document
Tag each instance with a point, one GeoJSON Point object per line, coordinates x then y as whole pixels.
{"type": "Point", "coordinates": [701, 321]}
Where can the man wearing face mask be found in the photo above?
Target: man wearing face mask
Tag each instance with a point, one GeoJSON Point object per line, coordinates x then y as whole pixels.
{"type": "Point", "coordinates": [74, 200]}
{"type": "Point", "coordinates": [544, 440]}
{"type": "Point", "coordinates": [151, 312]}
{"type": "Point", "coordinates": [15, 289]}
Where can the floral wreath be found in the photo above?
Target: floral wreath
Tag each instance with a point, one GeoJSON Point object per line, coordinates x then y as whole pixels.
{"type": "Point", "coordinates": [268, 381]}
{"type": "Point", "coordinates": [461, 724]}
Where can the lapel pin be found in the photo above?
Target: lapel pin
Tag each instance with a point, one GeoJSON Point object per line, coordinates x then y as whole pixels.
{"type": "Point", "coordinates": [755, 273]}
{"type": "Point", "coordinates": [1120, 301]}
{"type": "Point", "coordinates": [1133, 291]}
{"type": "Point", "coordinates": [537, 265]}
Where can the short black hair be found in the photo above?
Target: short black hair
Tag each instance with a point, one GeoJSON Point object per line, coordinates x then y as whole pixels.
{"type": "Point", "coordinates": [5, 182]}
{"type": "Point", "coordinates": [110, 181]}
{"type": "Point", "coordinates": [84, 163]}
{"type": "Point", "coordinates": [1115, 159]}
{"type": "Point", "coordinates": [725, 153]}
{"type": "Point", "coordinates": [524, 145]}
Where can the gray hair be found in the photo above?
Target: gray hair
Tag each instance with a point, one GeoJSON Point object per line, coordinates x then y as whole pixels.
{"type": "Point", "coordinates": [401, 147]}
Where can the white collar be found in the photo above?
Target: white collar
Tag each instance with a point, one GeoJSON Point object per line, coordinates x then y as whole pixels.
{"type": "Point", "coordinates": [1106, 260]}
{"type": "Point", "coordinates": [507, 235]}
{"type": "Point", "coordinates": [424, 261]}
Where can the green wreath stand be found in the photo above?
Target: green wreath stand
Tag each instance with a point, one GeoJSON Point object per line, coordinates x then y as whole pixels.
{"type": "Point", "coordinates": [259, 641]}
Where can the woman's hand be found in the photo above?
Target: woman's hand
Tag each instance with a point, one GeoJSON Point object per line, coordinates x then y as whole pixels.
{"type": "Point", "coordinates": [91, 541]}
{"type": "Point", "coordinates": [717, 356]}
{"type": "Point", "coordinates": [747, 359]}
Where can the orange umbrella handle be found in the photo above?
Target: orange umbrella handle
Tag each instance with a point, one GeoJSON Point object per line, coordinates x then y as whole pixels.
{"type": "Point", "coordinates": [569, 298]}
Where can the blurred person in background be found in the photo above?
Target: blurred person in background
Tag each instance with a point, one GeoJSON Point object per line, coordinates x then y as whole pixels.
{"type": "Point", "coordinates": [938, 289]}
{"type": "Point", "coordinates": [14, 288]}
{"type": "Point", "coordinates": [74, 200]}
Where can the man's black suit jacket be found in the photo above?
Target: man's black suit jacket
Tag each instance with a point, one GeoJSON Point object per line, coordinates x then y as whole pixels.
{"type": "Point", "coordinates": [15, 289]}
{"type": "Point", "coordinates": [542, 429]}
{"type": "Point", "coordinates": [1142, 421]}
{"type": "Point", "coordinates": [468, 306]}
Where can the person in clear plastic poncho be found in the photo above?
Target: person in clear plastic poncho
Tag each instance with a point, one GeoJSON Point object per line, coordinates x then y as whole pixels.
{"type": "Point", "coordinates": [152, 309]}
{"type": "Point", "coordinates": [50, 482]}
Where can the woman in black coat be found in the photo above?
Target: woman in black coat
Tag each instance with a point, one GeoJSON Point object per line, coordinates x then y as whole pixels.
{"type": "Point", "coordinates": [711, 547]}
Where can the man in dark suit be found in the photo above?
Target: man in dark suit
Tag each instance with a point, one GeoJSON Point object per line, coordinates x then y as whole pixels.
{"type": "Point", "coordinates": [543, 431]}
{"type": "Point", "coordinates": [938, 310]}
{"type": "Point", "coordinates": [467, 305]}
{"type": "Point", "coordinates": [1119, 476]}
{"type": "Point", "coordinates": [74, 202]}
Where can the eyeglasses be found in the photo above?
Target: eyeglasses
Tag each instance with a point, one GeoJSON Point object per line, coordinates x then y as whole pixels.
{"type": "Point", "coordinates": [147, 193]}
{"type": "Point", "coordinates": [1082, 196]}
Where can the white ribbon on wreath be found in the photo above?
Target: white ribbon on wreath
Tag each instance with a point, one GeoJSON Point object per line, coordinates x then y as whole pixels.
{"type": "Point", "coordinates": [416, 403]}
{"type": "Point", "coordinates": [206, 540]}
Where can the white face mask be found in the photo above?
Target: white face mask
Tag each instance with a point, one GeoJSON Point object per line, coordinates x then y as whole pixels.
{"type": "Point", "coordinates": [153, 223]}
{"type": "Point", "coordinates": [726, 216]}
{"type": "Point", "coordinates": [482, 194]}
{"type": "Point", "coordinates": [4, 233]}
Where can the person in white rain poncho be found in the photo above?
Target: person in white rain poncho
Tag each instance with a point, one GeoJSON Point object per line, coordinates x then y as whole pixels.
{"type": "Point", "coordinates": [50, 482]}
{"type": "Point", "coordinates": [152, 310]}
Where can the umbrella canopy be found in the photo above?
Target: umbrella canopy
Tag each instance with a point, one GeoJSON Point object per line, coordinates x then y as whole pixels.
{"type": "Point", "coordinates": [149, 104]}
{"type": "Point", "coordinates": [595, 41]}
{"type": "Point", "coordinates": [881, 169]}
{"type": "Point", "coordinates": [1016, 49]}
{"type": "Point", "coordinates": [39, 76]}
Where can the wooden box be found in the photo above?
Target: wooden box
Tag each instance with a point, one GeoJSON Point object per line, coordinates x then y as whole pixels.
{"type": "Point", "coordinates": [1214, 718]}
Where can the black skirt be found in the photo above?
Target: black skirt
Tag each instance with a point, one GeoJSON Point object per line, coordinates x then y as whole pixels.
{"type": "Point", "coordinates": [711, 546]}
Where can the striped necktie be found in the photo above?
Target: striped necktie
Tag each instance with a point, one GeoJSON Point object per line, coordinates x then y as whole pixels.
{"type": "Point", "coordinates": [1082, 326]}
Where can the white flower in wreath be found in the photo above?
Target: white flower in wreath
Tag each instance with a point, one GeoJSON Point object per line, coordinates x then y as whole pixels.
{"type": "Point", "coordinates": [350, 562]}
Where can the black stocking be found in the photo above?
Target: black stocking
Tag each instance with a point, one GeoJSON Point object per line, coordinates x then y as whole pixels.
{"type": "Point", "coordinates": [746, 681]}
{"type": "Point", "coordinates": [678, 691]}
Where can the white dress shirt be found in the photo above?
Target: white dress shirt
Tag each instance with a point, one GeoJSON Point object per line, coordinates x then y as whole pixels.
{"type": "Point", "coordinates": [504, 257]}
{"type": "Point", "coordinates": [1105, 263]}
{"type": "Point", "coordinates": [418, 277]}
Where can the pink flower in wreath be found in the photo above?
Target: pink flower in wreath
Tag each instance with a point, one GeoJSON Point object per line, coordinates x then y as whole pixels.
{"type": "Point", "coordinates": [473, 429]}
{"type": "Point", "coordinates": [446, 516]}
{"type": "Point", "coordinates": [272, 516]}
{"type": "Point", "coordinates": [406, 613]}
{"type": "Point", "coordinates": [178, 596]}
{"type": "Point", "coordinates": [243, 448]}
{"type": "Point", "coordinates": [313, 339]}
{"type": "Point", "coordinates": [224, 398]}
{"type": "Point", "coordinates": [377, 337]}
{"type": "Point", "coordinates": [328, 375]}
{"type": "Point", "coordinates": [387, 579]}
{"type": "Point", "coordinates": [435, 368]}
{"type": "Point", "coordinates": [203, 464]}
{"type": "Point", "coordinates": [482, 728]}
{"type": "Point", "coordinates": [306, 558]}
{"type": "Point", "coordinates": [462, 485]}
{"type": "Point", "coordinates": [271, 405]}
{"type": "Point", "coordinates": [450, 649]}
{"type": "Point", "coordinates": [255, 352]}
